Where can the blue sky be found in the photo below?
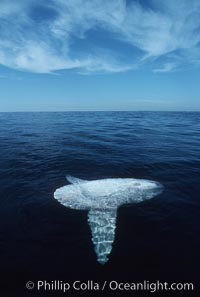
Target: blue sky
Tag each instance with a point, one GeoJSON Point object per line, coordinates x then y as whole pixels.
{"type": "Point", "coordinates": [99, 55]}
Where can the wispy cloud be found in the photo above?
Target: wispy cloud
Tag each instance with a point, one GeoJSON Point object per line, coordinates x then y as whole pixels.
{"type": "Point", "coordinates": [44, 37]}
{"type": "Point", "coordinates": [166, 68]}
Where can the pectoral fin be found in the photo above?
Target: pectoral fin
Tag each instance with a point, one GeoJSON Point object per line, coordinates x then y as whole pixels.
{"type": "Point", "coordinates": [102, 224]}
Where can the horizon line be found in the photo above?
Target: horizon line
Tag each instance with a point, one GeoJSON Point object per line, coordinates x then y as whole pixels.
{"type": "Point", "coordinates": [65, 111]}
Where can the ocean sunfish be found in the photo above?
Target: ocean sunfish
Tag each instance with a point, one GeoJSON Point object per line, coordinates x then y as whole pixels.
{"type": "Point", "coordinates": [102, 198]}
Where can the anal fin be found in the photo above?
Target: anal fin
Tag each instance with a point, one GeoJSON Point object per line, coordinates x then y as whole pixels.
{"type": "Point", "coordinates": [75, 180]}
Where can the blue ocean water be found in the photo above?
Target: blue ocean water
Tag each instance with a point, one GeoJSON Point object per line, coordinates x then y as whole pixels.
{"type": "Point", "coordinates": [41, 239]}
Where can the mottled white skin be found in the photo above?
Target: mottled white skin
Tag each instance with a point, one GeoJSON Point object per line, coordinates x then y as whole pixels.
{"type": "Point", "coordinates": [102, 198]}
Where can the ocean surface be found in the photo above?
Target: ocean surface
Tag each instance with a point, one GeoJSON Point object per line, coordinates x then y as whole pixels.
{"type": "Point", "coordinates": [42, 240]}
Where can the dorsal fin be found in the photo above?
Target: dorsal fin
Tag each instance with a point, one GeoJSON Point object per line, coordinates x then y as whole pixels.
{"type": "Point", "coordinates": [102, 224]}
{"type": "Point", "coordinates": [75, 180]}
